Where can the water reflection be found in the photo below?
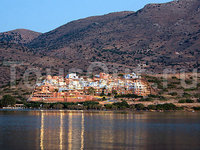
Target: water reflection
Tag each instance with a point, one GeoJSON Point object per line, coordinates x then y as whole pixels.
{"type": "Point", "coordinates": [61, 131]}
{"type": "Point", "coordinates": [98, 130]}
{"type": "Point", "coordinates": [82, 132]}
{"type": "Point", "coordinates": [74, 126]}
{"type": "Point", "coordinates": [70, 132]}
{"type": "Point", "coordinates": [67, 130]}
{"type": "Point", "coordinates": [42, 131]}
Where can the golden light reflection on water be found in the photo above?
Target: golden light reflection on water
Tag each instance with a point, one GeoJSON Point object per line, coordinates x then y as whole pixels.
{"type": "Point", "coordinates": [42, 131]}
{"type": "Point", "coordinates": [82, 132]}
{"type": "Point", "coordinates": [98, 130]}
{"type": "Point", "coordinates": [47, 133]}
{"type": "Point", "coordinates": [70, 132]}
{"type": "Point", "coordinates": [74, 139]}
{"type": "Point", "coordinates": [61, 130]}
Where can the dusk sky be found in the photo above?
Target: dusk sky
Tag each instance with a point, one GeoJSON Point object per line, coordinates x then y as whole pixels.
{"type": "Point", "coordinates": [45, 15]}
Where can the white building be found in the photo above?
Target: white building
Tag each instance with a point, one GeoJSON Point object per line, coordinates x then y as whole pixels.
{"type": "Point", "coordinates": [130, 76]}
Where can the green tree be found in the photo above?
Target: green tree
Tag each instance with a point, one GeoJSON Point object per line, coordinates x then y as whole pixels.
{"type": "Point", "coordinates": [91, 76]}
{"type": "Point", "coordinates": [153, 107]}
{"type": "Point", "coordinates": [197, 95]}
{"type": "Point", "coordinates": [196, 108]}
{"type": "Point", "coordinates": [120, 75]}
{"type": "Point", "coordinates": [166, 106]}
{"type": "Point", "coordinates": [90, 106]}
{"type": "Point", "coordinates": [96, 106]}
{"type": "Point", "coordinates": [123, 107]}
{"type": "Point", "coordinates": [189, 101]}
{"type": "Point", "coordinates": [132, 107]}
{"type": "Point", "coordinates": [8, 100]}
{"type": "Point", "coordinates": [108, 106]}
{"type": "Point", "coordinates": [91, 90]}
{"type": "Point", "coordinates": [102, 93]}
{"type": "Point", "coordinates": [124, 103]}
{"type": "Point", "coordinates": [58, 106]}
{"type": "Point", "coordinates": [104, 99]}
{"type": "Point", "coordinates": [114, 92]}
{"type": "Point", "coordinates": [182, 101]}
{"type": "Point", "coordinates": [69, 107]}
{"type": "Point", "coordinates": [100, 107]}
{"type": "Point", "coordinates": [1, 105]}
{"type": "Point", "coordinates": [186, 95]}
{"type": "Point", "coordinates": [173, 94]}
{"type": "Point", "coordinates": [55, 90]}
{"type": "Point", "coordinates": [114, 107]}
{"type": "Point", "coordinates": [186, 101]}
{"type": "Point", "coordinates": [46, 106]}
{"type": "Point", "coordinates": [139, 106]}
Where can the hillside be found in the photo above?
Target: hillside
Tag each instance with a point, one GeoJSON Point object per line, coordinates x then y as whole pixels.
{"type": "Point", "coordinates": [17, 53]}
{"type": "Point", "coordinates": [159, 35]}
{"type": "Point", "coordinates": [20, 36]}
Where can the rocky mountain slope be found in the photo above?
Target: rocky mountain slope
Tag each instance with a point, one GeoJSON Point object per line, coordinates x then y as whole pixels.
{"type": "Point", "coordinates": [20, 36]}
{"type": "Point", "coordinates": [158, 36]}
{"type": "Point", "coordinates": [158, 33]}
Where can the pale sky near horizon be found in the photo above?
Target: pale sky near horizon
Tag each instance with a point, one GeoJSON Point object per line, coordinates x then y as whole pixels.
{"type": "Point", "coordinates": [45, 15]}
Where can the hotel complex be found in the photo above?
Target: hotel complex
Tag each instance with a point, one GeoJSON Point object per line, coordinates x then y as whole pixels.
{"type": "Point", "coordinates": [73, 88]}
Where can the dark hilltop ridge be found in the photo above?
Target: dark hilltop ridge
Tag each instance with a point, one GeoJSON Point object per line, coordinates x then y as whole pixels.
{"type": "Point", "coordinates": [20, 36]}
{"type": "Point", "coordinates": [157, 36]}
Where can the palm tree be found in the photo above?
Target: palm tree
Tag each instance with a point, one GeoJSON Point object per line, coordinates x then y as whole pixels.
{"type": "Point", "coordinates": [90, 106]}
{"type": "Point", "coordinates": [114, 107]}
{"type": "Point", "coordinates": [95, 106]}
{"type": "Point", "coordinates": [100, 106]}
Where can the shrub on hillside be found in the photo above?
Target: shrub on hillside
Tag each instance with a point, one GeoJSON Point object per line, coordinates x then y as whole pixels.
{"type": "Point", "coordinates": [182, 101]}
{"type": "Point", "coordinates": [174, 77]}
{"type": "Point", "coordinates": [197, 95]}
{"type": "Point", "coordinates": [162, 98]}
{"type": "Point", "coordinates": [146, 99]}
{"type": "Point", "coordinates": [173, 93]}
{"type": "Point", "coordinates": [153, 96]}
{"type": "Point", "coordinates": [165, 90]}
{"type": "Point", "coordinates": [186, 101]}
{"type": "Point", "coordinates": [189, 101]}
{"type": "Point", "coordinates": [191, 89]}
{"type": "Point", "coordinates": [171, 86]}
{"type": "Point", "coordinates": [186, 95]}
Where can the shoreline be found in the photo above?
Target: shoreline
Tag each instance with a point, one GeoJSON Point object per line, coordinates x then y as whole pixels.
{"type": "Point", "coordinates": [66, 110]}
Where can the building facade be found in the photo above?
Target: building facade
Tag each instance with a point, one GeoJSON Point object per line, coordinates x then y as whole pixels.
{"type": "Point", "coordinates": [73, 88]}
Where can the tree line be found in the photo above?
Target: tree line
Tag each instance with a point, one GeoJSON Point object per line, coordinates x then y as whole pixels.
{"type": "Point", "coordinates": [8, 100]}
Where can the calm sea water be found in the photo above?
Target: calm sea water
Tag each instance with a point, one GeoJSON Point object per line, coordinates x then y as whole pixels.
{"type": "Point", "coordinates": [30, 130]}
